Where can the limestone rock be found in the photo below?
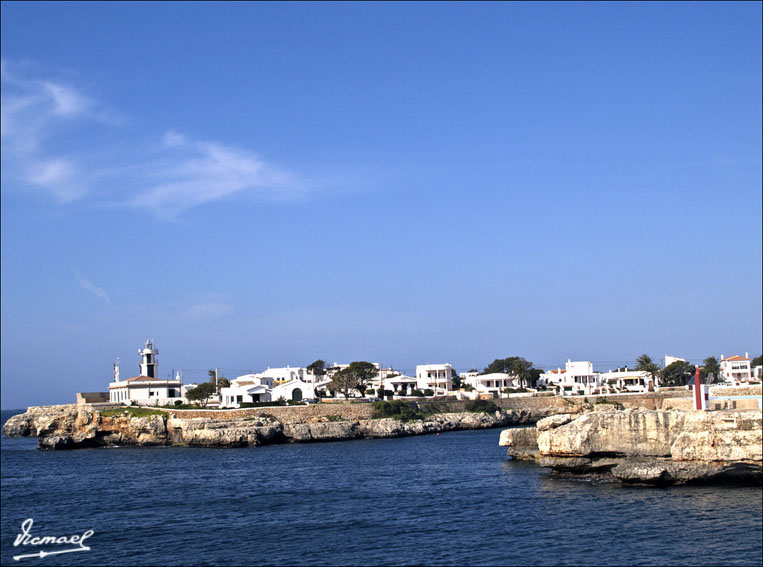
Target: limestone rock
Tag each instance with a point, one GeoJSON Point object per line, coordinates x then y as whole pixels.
{"type": "Point", "coordinates": [522, 442]}
{"type": "Point", "coordinates": [554, 421]}
{"type": "Point", "coordinates": [655, 447]}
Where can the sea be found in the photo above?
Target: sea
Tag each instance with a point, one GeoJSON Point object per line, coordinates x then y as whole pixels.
{"type": "Point", "coordinates": [448, 499]}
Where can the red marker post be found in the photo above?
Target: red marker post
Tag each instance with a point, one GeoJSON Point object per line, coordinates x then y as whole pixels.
{"type": "Point", "coordinates": [700, 398]}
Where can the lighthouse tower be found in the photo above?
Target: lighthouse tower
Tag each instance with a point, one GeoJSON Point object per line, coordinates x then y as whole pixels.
{"type": "Point", "coordinates": [148, 363]}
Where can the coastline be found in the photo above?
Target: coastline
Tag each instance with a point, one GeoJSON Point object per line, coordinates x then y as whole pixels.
{"type": "Point", "coordinates": [71, 426]}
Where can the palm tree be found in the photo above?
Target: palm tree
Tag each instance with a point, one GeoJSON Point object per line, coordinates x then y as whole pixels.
{"type": "Point", "coordinates": [520, 368]}
{"type": "Point", "coordinates": [644, 363]}
{"type": "Point", "coordinates": [712, 366]}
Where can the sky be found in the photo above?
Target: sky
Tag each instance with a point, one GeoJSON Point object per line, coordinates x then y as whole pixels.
{"type": "Point", "coordinates": [266, 184]}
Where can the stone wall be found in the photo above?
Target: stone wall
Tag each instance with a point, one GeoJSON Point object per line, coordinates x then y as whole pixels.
{"type": "Point", "coordinates": [292, 414]}
{"type": "Point", "coordinates": [354, 411]}
{"type": "Point", "coordinates": [736, 390]}
{"type": "Point", "coordinates": [92, 398]}
{"type": "Point", "coordinates": [647, 400]}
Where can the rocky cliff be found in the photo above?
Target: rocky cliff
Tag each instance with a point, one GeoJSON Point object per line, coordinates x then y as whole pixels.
{"type": "Point", "coordinates": [70, 426]}
{"type": "Point", "coordinates": [647, 446]}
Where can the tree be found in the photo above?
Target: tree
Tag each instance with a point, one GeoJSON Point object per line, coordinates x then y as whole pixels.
{"type": "Point", "coordinates": [456, 381]}
{"type": "Point", "coordinates": [757, 361]}
{"type": "Point", "coordinates": [499, 365]}
{"type": "Point", "coordinates": [678, 373]}
{"type": "Point", "coordinates": [317, 368]}
{"type": "Point", "coordinates": [201, 393]}
{"type": "Point", "coordinates": [520, 368]}
{"type": "Point", "coordinates": [354, 377]}
{"type": "Point", "coordinates": [644, 364]}
{"type": "Point", "coordinates": [711, 366]}
{"type": "Point", "coordinates": [535, 374]}
{"type": "Point", "coordinates": [516, 366]}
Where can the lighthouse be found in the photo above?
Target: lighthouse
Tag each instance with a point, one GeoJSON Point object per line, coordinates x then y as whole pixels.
{"type": "Point", "coordinates": [148, 362]}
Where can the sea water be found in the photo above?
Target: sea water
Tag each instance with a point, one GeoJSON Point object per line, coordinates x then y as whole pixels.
{"type": "Point", "coordinates": [448, 499]}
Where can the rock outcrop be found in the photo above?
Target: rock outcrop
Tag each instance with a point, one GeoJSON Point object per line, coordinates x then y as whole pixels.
{"type": "Point", "coordinates": [652, 447]}
{"type": "Point", "coordinates": [71, 426]}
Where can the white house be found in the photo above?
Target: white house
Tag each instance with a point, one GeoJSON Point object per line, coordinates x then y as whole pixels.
{"type": "Point", "coordinates": [437, 377]}
{"type": "Point", "coordinates": [736, 369]}
{"type": "Point", "coordinates": [400, 385]}
{"type": "Point", "coordinates": [493, 383]}
{"type": "Point", "coordinates": [671, 359]}
{"type": "Point", "coordinates": [282, 375]}
{"type": "Point", "coordinates": [270, 386]}
{"type": "Point", "coordinates": [577, 378]}
{"type": "Point", "coordinates": [627, 381]}
{"type": "Point", "coordinates": [146, 388]}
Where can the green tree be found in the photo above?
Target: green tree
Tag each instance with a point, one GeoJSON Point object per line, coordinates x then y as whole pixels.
{"type": "Point", "coordinates": [317, 368]}
{"type": "Point", "coordinates": [644, 363]}
{"type": "Point", "coordinates": [711, 366]}
{"type": "Point", "coordinates": [516, 366]}
{"type": "Point", "coordinates": [678, 373]}
{"type": "Point", "coordinates": [520, 368]}
{"type": "Point", "coordinates": [757, 361]}
{"type": "Point", "coordinates": [201, 393]}
{"type": "Point", "coordinates": [355, 377]}
{"type": "Point", "coordinates": [499, 365]}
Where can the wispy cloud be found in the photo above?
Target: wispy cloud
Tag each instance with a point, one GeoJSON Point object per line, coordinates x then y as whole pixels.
{"type": "Point", "coordinates": [46, 130]}
{"type": "Point", "coordinates": [193, 173]}
{"type": "Point", "coordinates": [91, 287]}
{"type": "Point", "coordinates": [36, 116]}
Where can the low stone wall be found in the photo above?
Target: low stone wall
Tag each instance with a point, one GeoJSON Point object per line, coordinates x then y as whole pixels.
{"type": "Point", "coordinates": [292, 414]}
{"type": "Point", "coordinates": [736, 390]}
{"type": "Point", "coordinates": [647, 400]}
{"type": "Point", "coordinates": [354, 411]}
{"type": "Point", "coordinates": [678, 404]}
{"type": "Point", "coordinates": [92, 398]}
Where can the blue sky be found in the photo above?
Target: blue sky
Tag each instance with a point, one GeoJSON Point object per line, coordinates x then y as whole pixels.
{"type": "Point", "coordinates": [257, 185]}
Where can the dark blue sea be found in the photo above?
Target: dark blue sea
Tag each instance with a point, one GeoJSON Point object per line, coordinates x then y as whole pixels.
{"type": "Point", "coordinates": [449, 499]}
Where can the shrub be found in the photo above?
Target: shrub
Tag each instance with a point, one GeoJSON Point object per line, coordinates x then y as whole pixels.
{"type": "Point", "coordinates": [178, 402]}
{"type": "Point", "coordinates": [333, 418]}
{"type": "Point", "coordinates": [429, 392]}
{"type": "Point", "coordinates": [131, 411]}
{"type": "Point", "coordinates": [418, 393]}
{"type": "Point", "coordinates": [481, 406]}
{"type": "Point", "coordinates": [398, 409]}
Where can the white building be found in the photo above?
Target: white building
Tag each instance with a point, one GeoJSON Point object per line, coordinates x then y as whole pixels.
{"type": "Point", "coordinates": [269, 386]}
{"type": "Point", "coordinates": [146, 388]}
{"type": "Point", "coordinates": [736, 369]}
{"type": "Point", "coordinates": [492, 384]}
{"type": "Point", "coordinates": [400, 385]}
{"type": "Point", "coordinates": [671, 359]}
{"type": "Point", "coordinates": [287, 374]}
{"type": "Point", "coordinates": [627, 381]}
{"type": "Point", "coordinates": [436, 377]}
{"type": "Point", "coordinates": [577, 378]}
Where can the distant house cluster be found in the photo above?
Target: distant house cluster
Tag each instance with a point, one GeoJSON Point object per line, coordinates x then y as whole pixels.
{"type": "Point", "coordinates": [579, 378]}
{"type": "Point", "coordinates": [302, 384]}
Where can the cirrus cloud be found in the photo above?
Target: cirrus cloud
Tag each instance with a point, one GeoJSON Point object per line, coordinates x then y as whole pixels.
{"type": "Point", "coordinates": [48, 129]}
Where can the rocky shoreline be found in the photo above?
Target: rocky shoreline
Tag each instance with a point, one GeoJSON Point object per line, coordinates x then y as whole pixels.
{"type": "Point", "coordinates": [646, 447]}
{"type": "Point", "coordinates": [72, 427]}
